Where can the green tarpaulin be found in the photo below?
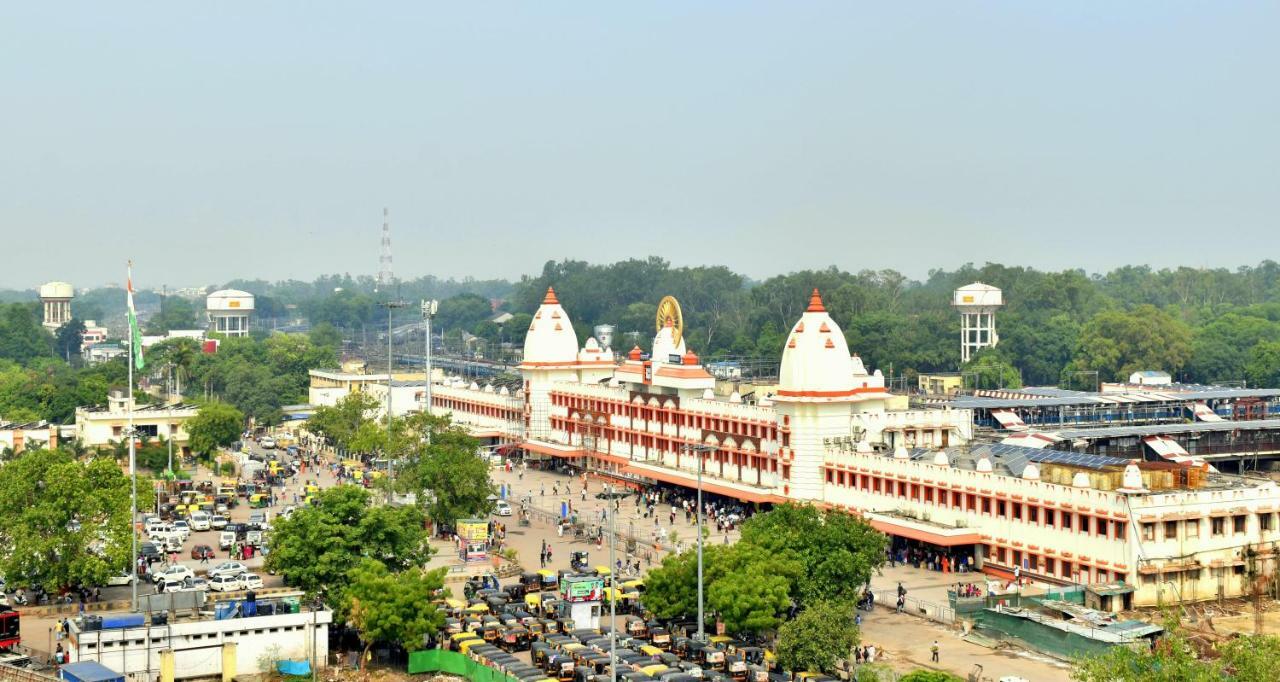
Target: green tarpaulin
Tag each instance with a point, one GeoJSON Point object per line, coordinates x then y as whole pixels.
{"type": "Point", "coordinates": [454, 663]}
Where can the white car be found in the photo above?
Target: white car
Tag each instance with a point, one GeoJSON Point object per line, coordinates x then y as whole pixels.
{"type": "Point", "coordinates": [121, 578]}
{"type": "Point", "coordinates": [249, 581]}
{"type": "Point", "coordinates": [225, 582]}
{"type": "Point", "coordinates": [200, 520]}
{"type": "Point", "coordinates": [167, 542]}
{"type": "Point", "coordinates": [501, 508]}
{"type": "Point", "coordinates": [226, 539]}
{"type": "Point", "coordinates": [228, 568]}
{"type": "Point", "coordinates": [182, 528]}
{"type": "Point", "coordinates": [217, 522]}
{"type": "Point", "coordinates": [170, 583]}
{"type": "Point", "coordinates": [175, 573]}
{"type": "Point", "coordinates": [268, 442]}
{"type": "Point", "coordinates": [196, 585]}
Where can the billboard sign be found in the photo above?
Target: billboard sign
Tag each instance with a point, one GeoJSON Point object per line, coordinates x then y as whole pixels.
{"type": "Point", "coordinates": [582, 588]}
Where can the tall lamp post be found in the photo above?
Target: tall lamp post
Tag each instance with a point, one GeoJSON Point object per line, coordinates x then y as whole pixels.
{"type": "Point", "coordinates": [390, 305]}
{"type": "Point", "coordinates": [428, 311]}
{"type": "Point", "coordinates": [701, 451]}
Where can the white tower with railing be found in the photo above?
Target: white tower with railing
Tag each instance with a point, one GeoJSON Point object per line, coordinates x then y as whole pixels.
{"type": "Point", "coordinates": [977, 304]}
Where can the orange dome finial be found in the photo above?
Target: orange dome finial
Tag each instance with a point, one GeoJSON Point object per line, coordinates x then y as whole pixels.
{"type": "Point", "coordinates": [690, 358]}
{"type": "Point", "coordinates": [635, 353]}
{"type": "Point", "coordinates": [815, 303]}
{"type": "Point", "coordinates": [550, 298]}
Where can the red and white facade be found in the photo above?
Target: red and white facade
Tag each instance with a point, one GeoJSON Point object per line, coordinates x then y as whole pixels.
{"type": "Point", "coordinates": [829, 436]}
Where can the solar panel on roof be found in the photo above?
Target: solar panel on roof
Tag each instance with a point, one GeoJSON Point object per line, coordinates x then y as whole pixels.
{"type": "Point", "coordinates": [1015, 455]}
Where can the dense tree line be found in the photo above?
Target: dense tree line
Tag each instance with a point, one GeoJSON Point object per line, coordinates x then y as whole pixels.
{"type": "Point", "coordinates": [1203, 325]}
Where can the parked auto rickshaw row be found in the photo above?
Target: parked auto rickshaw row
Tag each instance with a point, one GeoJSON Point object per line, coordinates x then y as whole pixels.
{"type": "Point", "coordinates": [583, 656]}
{"type": "Point", "coordinates": [481, 651]}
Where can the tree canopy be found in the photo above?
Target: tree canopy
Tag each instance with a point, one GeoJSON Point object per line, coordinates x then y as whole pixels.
{"type": "Point", "coordinates": [316, 547]}
{"type": "Point", "coordinates": [393, 607]}
{"type": "Point", "coordinates": [215, 425]}
{"type": "Point", "coordinates": [818, 637]}
{"type": "Point", "coordinates": [837, 550]}
{"type": "Point", "coordinates": [793, 555]}
{"type": "Point", "coordinates": [65, 522]}
{"type": "Point", "coordinates": [1247, 658]}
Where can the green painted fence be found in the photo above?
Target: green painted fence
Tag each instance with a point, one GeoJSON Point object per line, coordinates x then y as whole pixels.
{"type": "Point", "coordinates": [454, 663]}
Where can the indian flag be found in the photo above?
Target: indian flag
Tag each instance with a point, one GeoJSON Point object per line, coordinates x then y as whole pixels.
{"type": "Point", "coordinates": [135, 336]}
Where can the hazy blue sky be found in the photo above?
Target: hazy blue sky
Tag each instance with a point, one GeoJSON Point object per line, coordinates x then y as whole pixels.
{"type": "Point", "coordinates": [216, 140]}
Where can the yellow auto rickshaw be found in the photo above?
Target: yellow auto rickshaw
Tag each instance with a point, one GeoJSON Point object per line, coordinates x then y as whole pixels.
{"type": "Point", "coordinates": [259, 500]}
{"type": "Point", "coordinates": [312, 489]}
{"type": "Point", "coordinates": [533, 601]}
{"type": "Point", "coordinates": [604, 572]}
{"type": "Point", "coordinates": [455, 641]}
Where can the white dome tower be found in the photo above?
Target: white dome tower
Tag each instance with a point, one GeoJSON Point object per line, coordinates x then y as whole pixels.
{"type": "Point", "coordinates": [815, 394]}
{"type": "Point", "coordinates": [550, 355]}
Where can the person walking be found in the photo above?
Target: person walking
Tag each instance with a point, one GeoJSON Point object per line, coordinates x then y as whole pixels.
{"type": "Point", "coordinates": [934, 651]}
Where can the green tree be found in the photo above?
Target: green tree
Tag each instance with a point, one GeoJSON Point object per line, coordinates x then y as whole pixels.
{"type": "Point", "coordinates": [325, 335]}
{"type": "Point", "coordinates": [1116, 343]}
{"type": "Point", "coordinates": [65, 522]}
{"type": "Point", "coordinates": [22, 339]}
{"type": "Point", "coordinates": [439, 463]}
{"type": "Point", "coordinates": [821, 635]}
{"type": "Point", "coordinates": [68, 339]}
{"type": "Point", "coordinates": [215, 425]}
{"type": "Point", "coordinates": [175, 313]}
{"type": "Point", "coordinates": [838, 550]}
{"type": "Point", "coordinates": [671, 589]}
{"type": "Point", "coordinates": [1263, 368]}
{"type": "Point", "coordinates": [395, 608]}
{"type": "Point", "coordinates": [749, 588]}
{"type": "Point", "coordinates": [340, 423]}
{"type": "Point", "coordinates": [317, 546]}
{"type": "Point", "coordinates": [991, 368]}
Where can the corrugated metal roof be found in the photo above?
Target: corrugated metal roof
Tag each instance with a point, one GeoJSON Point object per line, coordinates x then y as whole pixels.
{"type": "Point", "coordinates": [1169, 429]}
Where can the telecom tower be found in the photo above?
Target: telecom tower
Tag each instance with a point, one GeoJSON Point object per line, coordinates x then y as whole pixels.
{"type": "Point", "coordinates": [977, 304]}
{"type": "Point", "coordinates": [384, 257]}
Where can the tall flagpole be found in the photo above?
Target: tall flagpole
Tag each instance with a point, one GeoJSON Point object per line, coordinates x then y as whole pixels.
{"type": "Point", "coordinates": [133, 464]}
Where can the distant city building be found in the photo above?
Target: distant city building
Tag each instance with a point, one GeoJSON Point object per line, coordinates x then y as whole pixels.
{"type": "Point", "coordinates": [99, 426]}
{"type": "Point", "coordinates": [977, 304]}
{"type": "Point", "coordinates": [940, 383]}
{"type": "Point", "coordinates": [56, 299]}
{"type": "Point", "coordinates": [229, 311]}
{"type": "Point", "coordinates": [94, 334]}
{"type": "Point", "coordinates": [1150, 378]}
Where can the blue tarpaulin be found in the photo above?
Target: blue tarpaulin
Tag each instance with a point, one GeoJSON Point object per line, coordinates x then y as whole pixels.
{"type": "Point", "coordinates": [89, 671]}
{"type": "Point", "coordinates": [293, 667]}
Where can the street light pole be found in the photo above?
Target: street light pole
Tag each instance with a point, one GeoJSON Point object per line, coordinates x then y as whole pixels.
{"type": "Point", "coordinates": [613, 598]}
{"type": "Point", "coordinates": [390, 305]}
{"type": "Point", "coordinates": [428, 311]}
{"type": "Point", "coordinates": [701, 451]}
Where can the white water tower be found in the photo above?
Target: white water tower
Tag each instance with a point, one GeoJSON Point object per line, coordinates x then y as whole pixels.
{"type": "Point", "coordinates": [977, 304]}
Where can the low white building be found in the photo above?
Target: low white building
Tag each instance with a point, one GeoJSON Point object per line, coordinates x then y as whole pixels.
{"type": "Point", "coordinates": [21, 436]}
{"type": "Point", "coordinates": [204, 647]}
{"type": "Point", "coordinates": [98, 426]}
